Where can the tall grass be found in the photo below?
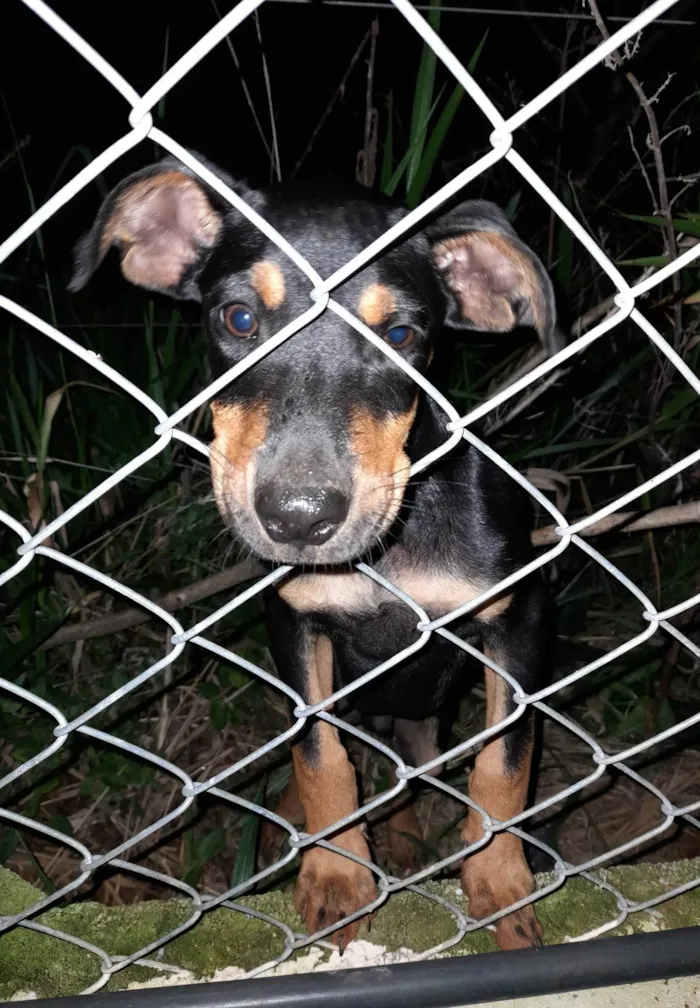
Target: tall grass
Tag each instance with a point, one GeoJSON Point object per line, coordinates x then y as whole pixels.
{"type": "Point", "coordinates": [616, 417]}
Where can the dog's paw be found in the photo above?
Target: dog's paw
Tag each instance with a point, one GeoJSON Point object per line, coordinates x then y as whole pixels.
{"type": "Point", "coordinates": [490, 888]}
{"type": "Point", "coordinates": [329, 888]}
{"type": "Point", "coordinates": [519, 930]}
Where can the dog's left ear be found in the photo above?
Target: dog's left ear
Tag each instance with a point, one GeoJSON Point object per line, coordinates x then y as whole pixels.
{"type": "Point", "coordinates": [494, 282]}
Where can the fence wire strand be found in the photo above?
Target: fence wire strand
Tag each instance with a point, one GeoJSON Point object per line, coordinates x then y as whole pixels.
{"type": "Point", "coordinates": [651, 620]}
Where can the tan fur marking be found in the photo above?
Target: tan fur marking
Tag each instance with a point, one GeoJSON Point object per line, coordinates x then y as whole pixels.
{"type": "Point", "coordinates": [500, 792]}
{"type": "Point", "coordinates": [319, 592]}
{"type": "Point", "coordinates": [328, 789]}
{"type": "Point", "coordinates": [442, 592]}
{"type": "Point", "coordinates": [267, 280]}
{"type": "Point", "coordinates": [289, 807]}
{"type": "Point", "coordinates": [357, 593]}
{"type": "Point", "coordinates": [238, 432]}
{"type": "Point", "coordinates": [382, 466]}
{"type": "Point", "coordinates": [330, 886]}
{"type": "Point", "coordinates": [378, 443]}
{"type": "Point", "coordinates": [376, 304]}
{"type": "Point", "coordinates": [498, 875]}
{"type": "Point", "coordinates": [491, 308]}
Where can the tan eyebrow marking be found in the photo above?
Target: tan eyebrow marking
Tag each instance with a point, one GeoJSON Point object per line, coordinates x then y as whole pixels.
{"type": "Point", "coordinates": [376, 304]}
{"type": "Point", "coordinates": [267, 280]}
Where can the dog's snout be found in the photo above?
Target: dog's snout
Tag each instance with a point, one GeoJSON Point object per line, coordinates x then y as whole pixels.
{"type": "Point", "coordinates": [308, 516]}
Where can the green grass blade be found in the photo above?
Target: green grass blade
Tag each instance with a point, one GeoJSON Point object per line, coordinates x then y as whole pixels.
{"type": "Point", "coordinates": [244, 865]}
{"type": "Point", "coordinates": [160, 107]}
{"type": "Point", "coordinates": [155, 383]}
{"type": "Point", "coordinates": [53, 401]}
{"type": "Point", "coordinates": [86, 155]}
{"type": "Point", "coordinates": [432, 150]}
{"type": "Point", "coordinates": [20, 400]}
{"type": "Point", "coordinates": [403, 163]}
{"type": "Point", "coordinates": [687, 224]}
{"type": "Point", "coordinates": [512, 205]}
{"type": "Point", "coordinates": [659, 260]}
{"type": "Point", "coordinates": [422, 97]}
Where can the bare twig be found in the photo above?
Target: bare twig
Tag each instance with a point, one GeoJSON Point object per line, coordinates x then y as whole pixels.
{"type": "Point", "coordinates": [664, 206]}
{"type": "Point", "coordinates": [172, 601]}
{"type": "Point", "coordinates": [276, 168]}
{"type": "Point", "coordinates": [339, 92]}
{"type": "Point", "coordinates": [527, 400]}
{"type": "Point", "coordinates": [367, 157]}
{"type": "Point", "coordinates": [585, 321]}
{"type": "Point", "coordinates": [13, 152]}
{"type": "Point", "coordinates": [665, 517]}
{"type": "Point", "coordinates": [246, 92]}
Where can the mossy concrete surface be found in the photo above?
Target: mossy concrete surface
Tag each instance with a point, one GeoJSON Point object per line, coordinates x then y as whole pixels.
{"type": "Point", "coordinates": [49, 967]}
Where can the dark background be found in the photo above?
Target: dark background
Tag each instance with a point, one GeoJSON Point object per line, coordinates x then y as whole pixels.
{"type": "Point", "coordinates": [616, 417]}
{"type": "Point", "coordinates": [56, 102]}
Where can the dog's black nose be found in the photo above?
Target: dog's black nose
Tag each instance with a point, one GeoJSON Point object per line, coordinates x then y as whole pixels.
{"type": "Point", "coordinates": [309, 516]}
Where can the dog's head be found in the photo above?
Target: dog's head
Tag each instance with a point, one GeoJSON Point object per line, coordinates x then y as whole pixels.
{"type": "Point", "coordinates": [308, 459]}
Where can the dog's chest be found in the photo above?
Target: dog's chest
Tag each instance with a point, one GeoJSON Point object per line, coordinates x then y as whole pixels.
{"type": "Point", "coordinates": [370, 625]}
{"type": "Point", "coordinates": [356, 595]}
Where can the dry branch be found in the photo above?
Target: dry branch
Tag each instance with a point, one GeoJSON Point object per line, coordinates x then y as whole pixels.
{"type": "Point", "coordinates": [630, 521]}
{"type": "Point", "coordinates": [665, 517]}
{"type": "Point", "coordinates": [177, 599]}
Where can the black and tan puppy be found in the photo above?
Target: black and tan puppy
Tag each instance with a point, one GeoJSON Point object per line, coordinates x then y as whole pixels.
{"type": "Point", "coordinates": [310, 460]}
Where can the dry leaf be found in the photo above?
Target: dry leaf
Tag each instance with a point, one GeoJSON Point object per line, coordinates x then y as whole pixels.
{"type": "Point", "coordinates": [554, 482]}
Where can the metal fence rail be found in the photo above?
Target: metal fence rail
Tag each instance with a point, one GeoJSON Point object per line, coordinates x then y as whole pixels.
{"type": "Point", "coordinates": [166, 428]}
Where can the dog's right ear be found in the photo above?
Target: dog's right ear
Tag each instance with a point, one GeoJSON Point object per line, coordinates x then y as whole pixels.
{"type": "Point", "coordinates": [164, 221]}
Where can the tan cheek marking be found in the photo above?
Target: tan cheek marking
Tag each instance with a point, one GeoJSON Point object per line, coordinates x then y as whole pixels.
{"type": "Point", "coordinates": [239, 429]}
{"type": "Point", "coordinates": [382, 465]}
{"type": "Point", "coordinates": [319, 592]}
{"type": "Point", "coordinates": [376, 304]}
{"type": "Point", "coordinates": [379, 442]}
{"type": "Point", "coordinates": [443, 593]}
{"type": "Point", "coordinates": [267, 280]}
{"type": "Point", "coordinates": [238, 432]}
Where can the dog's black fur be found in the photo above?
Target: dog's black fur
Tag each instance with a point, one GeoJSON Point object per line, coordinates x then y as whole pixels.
{"type": "Point", "coordinates": [310, 462]}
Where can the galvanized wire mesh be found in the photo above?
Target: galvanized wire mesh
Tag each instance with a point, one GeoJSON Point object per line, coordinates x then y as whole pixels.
{"type": "Point", "coordinates": [652, 620]}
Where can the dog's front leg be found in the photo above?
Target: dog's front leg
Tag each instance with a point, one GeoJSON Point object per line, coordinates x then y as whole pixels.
{"type": "Point", "coordinates": [497, 876]}
{"type": "Point", "coordinates": [330, 886]}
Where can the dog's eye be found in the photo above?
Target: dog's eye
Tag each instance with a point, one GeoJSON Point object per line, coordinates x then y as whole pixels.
{"type": "Point", "coordinates": [240, 321]}
{"type": "Point", "coordinates": [400, 336]}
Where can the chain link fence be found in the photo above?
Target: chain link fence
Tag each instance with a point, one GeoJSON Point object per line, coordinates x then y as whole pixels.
{"type": "Point", "coordinates": [652, 620]}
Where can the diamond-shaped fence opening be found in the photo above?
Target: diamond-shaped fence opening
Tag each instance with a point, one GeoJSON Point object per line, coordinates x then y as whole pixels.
{"type": "Point", "coordinates": [218, 780]}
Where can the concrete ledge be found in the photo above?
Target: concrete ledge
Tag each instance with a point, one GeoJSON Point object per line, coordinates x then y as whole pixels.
{"type": "Point", "coordinates": [43, 966]}
{"type": "Point", "coordinates": [683, 992]}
